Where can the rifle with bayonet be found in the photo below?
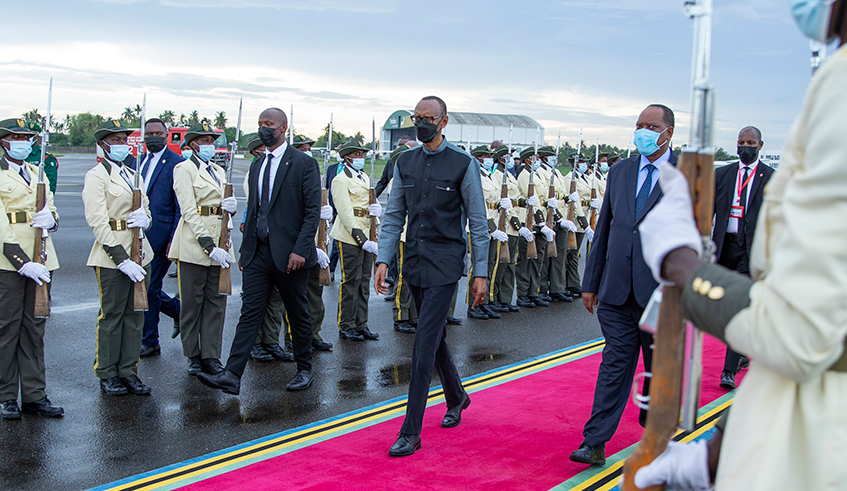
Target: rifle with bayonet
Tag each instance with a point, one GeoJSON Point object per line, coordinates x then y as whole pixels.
{"type": "Point", "coordinates": [505, 256]}
{"type": "Point", "coordinates": [551, 213]}
{"type": "Point", "coordinates": [531, 247]}
{"type": "Point", "coordinates": [139, 292]}
{"type": "Point", "coordinates": [225, 280]}
{"type": "Point", "coordinates": [593, 218]}
{"type": "Point", "coordinates": [374, 231]}
{"type": "Point", "coordinates": [42, 297]}
{"type": "Point", "coordinates": [572, 246]}
{"type": "Point", "coordinates": [675, 379]}
{"type": "Point", "coordinates": [325, 279]}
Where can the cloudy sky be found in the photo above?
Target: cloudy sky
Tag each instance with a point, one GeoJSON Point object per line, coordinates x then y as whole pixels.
{"type": "Point", "coordinates": [569, 64]}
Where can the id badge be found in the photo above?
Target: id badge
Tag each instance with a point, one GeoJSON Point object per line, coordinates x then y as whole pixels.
{"type": "Point", "coordinates": [736, 212]}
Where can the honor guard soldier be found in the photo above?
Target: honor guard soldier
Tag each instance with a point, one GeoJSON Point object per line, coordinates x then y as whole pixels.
{"type": "Point", "coordinates": [528, 271]}
{"type": "Point", "coordinates": [503, 276]}
{"type": "Point", "coordinates": [553, 269]}
{"type": "Point", "coordinates": [51, 165]}
{"type": "Point", "coordinates": [21, 224]}
{"type": "Point", "coordinates": [582, 202]}
{"type": "Point", "coordinates": [199, 186]}
{"type": "Point", "coordinates": [404, 310]}
{"type": "Point", "coordinates": [107, 196]}
{"type": "Point", "coordinates": [357, 253]}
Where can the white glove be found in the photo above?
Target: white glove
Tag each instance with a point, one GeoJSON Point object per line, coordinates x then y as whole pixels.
{"type": "Point", "coordinates": [323, 259]}
{"type": "Point", "coordinates": [573, 197]}
{"type": "Point", "coordinates": [36, 272]}
{"type": "Point", "coordinates": [131, 268]}
{"type": "Point", "coordinates": [589, 234]}
{"type": "Point", "coordinates": [680, 467]}
{"type": "Point", "coordinates": [138, 219]}
{"type": "Point", "coordinates": [506, 203]}
{"type": "Point", "coordinates": [532, 201]}
{"type": "Point", "coordinates": [375, 210]}
{"type": "Point", "coordinates": [499, 235]}
{"type": "Point", "coordinates": [567, 225]}
{"type": "Point", "coordinates": [326, 212]}
{"type": "Point", "coordinates": [370, 246]}
{"type": "Point", "coordinates": [670, 224]}
{"type": "Point", "coordinates": [43, 219]}
{"type": "Point", "coordinates": [596, 203]}
{"type": "Point", "coordinates": [552, 203]}
{"type": "Point", "coordinates": [526, 234]}
{"type": "Point", "coordinates": [229, 205]}
{"type": "Point", "coordinates": [549, 234]}
{"type": "Point", "coordinates": [221, 257]}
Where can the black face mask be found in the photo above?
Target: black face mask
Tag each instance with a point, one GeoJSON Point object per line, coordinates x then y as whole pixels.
{"type": "Point", "coordinates": [268, 136]}
{"type": "Point", "coordinates": [155, 144]}
{"type": "Point", "coordinates": [426, 131]}
{"type": "Point", "coordinates": [748, 155]}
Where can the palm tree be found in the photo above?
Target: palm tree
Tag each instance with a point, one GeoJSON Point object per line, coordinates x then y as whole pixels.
{"type": "Point", "coordinates": [193, 118]}
{"type": "Point", "coordinates": [168, 117]}
{"type": "Point", "coordinates": [33, 116]}
{"type": "Point", "coordinates": [220, 119]}
{"type": "Point", "coordinates": [128, 114]}
{"type": "Point", "coordinates": [182, 119]}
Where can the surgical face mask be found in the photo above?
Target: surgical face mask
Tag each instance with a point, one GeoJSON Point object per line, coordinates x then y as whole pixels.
{"type": "Point", "coordinates": [748, 155]}
{"type": "Point", "coordinates": [487, 163]}
{"type": "Point", "coordinates": [426, 131]}
{"type": "Point", "coordinates": [19, 149]}
{"type": "Point", "coordinates": [604, 167]}
{"type": "Point", "coordinates": [813, 17]}
{"type": "Point", "coordinates": [646, 141]}
{"type": "Point", "coordinates": [358, 164]}
{"type": "Point", "coordinates": [118, 153]}
{"type": "Point", "coordinates": [155, 144]}
{"type": "Point", "coordinates": [268, 136]}
{"type": "Point", "coordinates": [510, 163]}
{"type": "Point", "coordinates": [187, 153]}
{"type": "Point", "coordinates": [582, 167]}
{"type": "Point", "coordinates": [552, 161]}
{"type": "Point", "coordinates": [536, 164]}
{"type": "Point", "coordinates": [206, 152]}
{"type": "Point", "coordinates": [308, 152]}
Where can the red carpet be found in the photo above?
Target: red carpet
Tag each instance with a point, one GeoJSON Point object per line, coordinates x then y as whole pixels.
{"type": "Point", "coordinates": [516, 435]}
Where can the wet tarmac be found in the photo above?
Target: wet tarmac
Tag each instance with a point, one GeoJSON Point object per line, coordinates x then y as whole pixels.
{"type": "Point", "coordinates": [101, 439]}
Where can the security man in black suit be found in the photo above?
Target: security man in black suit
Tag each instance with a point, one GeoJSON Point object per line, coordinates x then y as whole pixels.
{"type": "Point", "coordinates": [278, 249]}
{"type": "Point", "coordinates": [739, 189]}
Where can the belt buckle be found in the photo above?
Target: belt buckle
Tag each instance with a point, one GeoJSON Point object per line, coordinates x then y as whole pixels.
{"type": "Point", "coordinates": [118, 227]}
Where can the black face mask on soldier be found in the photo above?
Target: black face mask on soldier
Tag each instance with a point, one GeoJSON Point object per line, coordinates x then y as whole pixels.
{"type": "Point", "coordinates": [426, 131]}
{"type": "Point", "coordinates": [748, 155]}
{"type": "Point", "coordinates": [155, 144]}
{"type": "Point", "coordinates": [268, 136]}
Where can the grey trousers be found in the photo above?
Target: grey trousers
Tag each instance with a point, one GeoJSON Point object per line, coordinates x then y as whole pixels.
{"type": "Point", "coordinates": [554, 269]}
{"type": "Point", "coordinates": [503, 288]}
{"type": "Point", "coordinates": [528, 271]}
{"type": "Point", "coordinates": [314, 296]}
{"type": "Point", "coordinates": [355, 289]}
{"type": "Point", "coordinates": [573, 279]}
{"type": "Point", "coordinates": [119, 326]}
{"type": "Point", "coordinates": [203, 310]}
{"type": "Point", "coordinates": [21, 340]}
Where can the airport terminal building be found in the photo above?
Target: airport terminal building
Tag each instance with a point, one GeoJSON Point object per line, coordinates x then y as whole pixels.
{"type": "Point", "coordinates": [479, 128]}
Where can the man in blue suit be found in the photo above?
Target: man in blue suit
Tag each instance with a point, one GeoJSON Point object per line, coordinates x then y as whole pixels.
{"type": "Point", "coordinates": [157, 171]}
{"type": "Point", "coordinates": [618, 282]}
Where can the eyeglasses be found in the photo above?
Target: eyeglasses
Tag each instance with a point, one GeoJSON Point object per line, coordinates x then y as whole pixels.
{"type": "Point", "coordinates": [429, 119]}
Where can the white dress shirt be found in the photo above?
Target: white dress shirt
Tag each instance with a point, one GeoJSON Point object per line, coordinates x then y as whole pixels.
{"type": "Point", "coordinates": [274, 159]}
{"type": "Point", "coordinates": [732, 226]}
{"type": "Point", "coordinates": [151, 167]}
{"type": "Point", "coordinates": [642, 170]}
{"type": "Point", "coordinates": [17, 168]}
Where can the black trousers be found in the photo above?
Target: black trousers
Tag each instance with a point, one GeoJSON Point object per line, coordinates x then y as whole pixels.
{"type": "Point", "coordinates": [430, 352]}
{"type": "Point", "coordinates": [619, 324]}
{"type": "Point", "coordinates": [157, 300]}
{"type": "Point", "coordinates": [735, 258]}
{"type": "Point", "coordinates": [258, 278]}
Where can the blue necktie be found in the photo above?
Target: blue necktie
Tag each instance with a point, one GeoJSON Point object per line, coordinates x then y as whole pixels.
{"type": "Point", "coordinates": [644, 192]}
{"type": "Point", "coordinates": [146, 166]}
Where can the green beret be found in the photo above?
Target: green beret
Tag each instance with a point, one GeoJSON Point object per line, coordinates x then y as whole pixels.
{"type": "Point", "coordinates": [302, 140]}
{"type": "Point", "coordinates": [482, 150]}
{"type": "Point", "coordinates": [200, 130]}
{"type": "Point", "coordinates": [397, 151]}
{"type": "Point", "coordinates": [546, 151]}
{"type": "Point", "coordinates": [254, 143]}
{"type": "Point", "coordinates": [109, 127]}
{"type": "Point", "coordinates": [527, 152]}
{"type": "Point", "coordinates": [500, 151]}
{"type": "Point", "coordinates": [15, 126]}
{"type": "Point", "coordinates": [346, 149]}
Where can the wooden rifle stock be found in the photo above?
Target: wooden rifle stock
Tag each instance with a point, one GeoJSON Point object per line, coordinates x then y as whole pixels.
{"type": "Point", "coordinates": [593, 220]}
{"type": "Point", "coordinates": [505, 257]}
{"type": "Point", "coordinates": [374, 232]}
{"type": "Point", "coordinates": [571, 235]}
{"type": "Point", "coordinates": [531, 250]}
{"type": "Point", "coordinates": [42, 298]}
{"type": "Point", "coordinates": [225, 280]}
{"type": "Point", "coordinates": [139, 297]}
{"type": "Point", "coordinates": [551, 212]}
{"type": "Point", "coordinates": [325, 278]}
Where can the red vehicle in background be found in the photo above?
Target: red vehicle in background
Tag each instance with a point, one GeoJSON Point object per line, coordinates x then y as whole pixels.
{"type": "Point", "coordinates": [174, 139]}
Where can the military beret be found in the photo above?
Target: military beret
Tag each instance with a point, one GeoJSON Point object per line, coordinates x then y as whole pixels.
{"type": "Point", "coordinates": [482, 150]}
{"type": "Point", "coordinates": [15, 126]}
{"type": "Point", "coordinates": [527, 152]}
{"type": "Point", "coordinates": [301, 140]}
{"type": "Point", "coordinates": [546, 151]}
{"type": "Point", "coordinates": [109, 127]}
{"type": "Point", "coordinates": [199, 130]}
{"type": "Point", "coordinates": [254, 143]}
{"type": "Point", "coordinates": [397, 151]}
{"type": "Point", "coordinates": [346, 149]}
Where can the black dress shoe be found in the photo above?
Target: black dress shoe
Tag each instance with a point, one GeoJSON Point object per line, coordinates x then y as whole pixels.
{"type": "Point", "coordinates": [454, 415]}
{"type": "Point", "coordinates": [477, 313]}
{"type": "Point", "coordinates": [744, 362]}
{"type": "Point", "coordinates": [289, 346]}
{"type": "Point", "coordinates": [175, 332]}
{"type": "Point", "coordinates": [212, 366]}
{"type": "Point", "coordinates": [225, 381]}
{"type": "Point", "coordinates": [277, 353]}
{"type": "Point", "coordinates": [350, 335]}
{"type": "Point", "coordinates": [113, 387]}
{"type": "Point", "coordinates": [259, 354]}
{"type": "Point", "coordinates": [368, 334]}
{"type": "Point", "coordinates": [452, 321]}
{"type": "Point", "coordinates": [561, 297]}
{"type": "Point", "coordinates": [172, 274]}
{"type": "Point", "coordinates": [590, 455]}
{"type": "Point", "coordinates": [301, 381]}
{"type": "Point", "coordinates": [148, 351]}
{"type": "Point", "coordinates": [547, 298]}
{"type": "Point", "coordinates": [194, 366]}
{"type": "Point", "coordinates": [321, 345]}
{"type": "Point", "coordinates": [490, 312]}
{"type": "Point", "coordinates": [575, 292]}
{"type": "Point", "coordinates": [539, 302]}
{"type": "Point", "coordinates": [10, 410]}
{"type": "Point", "coordinates": [405, 445]}
{"type": "Point", "coordinates": [134, 385]}
{"type": "Point", "coordinates": [525, 302]}
{"type": "Point", "coordinates": [42, 407]}
{"type": "Point", "coordinates": [498, 307]}
{"type": "Point", "coordinates": [404, 327]}
{"type": "Point", "coordinates": [513, 308]}
{"type": "Point", "coordinates": [728, 380]}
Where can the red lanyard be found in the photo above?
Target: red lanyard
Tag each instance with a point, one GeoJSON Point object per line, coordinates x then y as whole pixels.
{"type": "Point", "coordinates": [742, 186]}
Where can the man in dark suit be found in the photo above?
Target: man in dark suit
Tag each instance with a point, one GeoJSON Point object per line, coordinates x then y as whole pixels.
{"type": "Point", "coordinates": [278, 249]}
{"type": "Point", "coordinates": [617, 280]}
{"type": "Point", "coordinates": [157, 171]}
{"type": "Point", "coordinates": [739, 189]}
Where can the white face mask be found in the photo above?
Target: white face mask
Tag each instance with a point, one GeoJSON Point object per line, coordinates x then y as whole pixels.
{"type": "Point", "coordinates": [358, 164]}
{"type": "Point", "coordinates": [308, 152]}
{"type": "Point", "coordinates": [487, 163]}
{"type": "Point", "coordinates": [552, 161]}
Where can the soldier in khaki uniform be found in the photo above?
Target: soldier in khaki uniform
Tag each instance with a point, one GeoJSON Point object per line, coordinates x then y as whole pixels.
{"type": "Point", "coordinates": [404, 310]}
{"type": "Point", "coordinates": [21, 333]}
{"type": "Point", "coordinates": [528, 271]}
{"type": "Point", "coordinates": [107, 196]}
{"type": "Point", "coordinates": [583, 230]}
{"type": "Point", "coordinates": [553, 269]}
{"type": "Point", "coordinates": [350, 195]}
{"type": "Point", "coordinates": [503, 285]}
{"type": "Point", "coordinates": [199, 186]}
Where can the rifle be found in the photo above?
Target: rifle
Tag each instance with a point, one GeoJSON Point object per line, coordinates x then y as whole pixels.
{"type": "Point", "coordinates": [551, 212]}
{"type": "Point", "coordinates": [225, 280]}
{"type": "Point", "coordinates": [42, 297]}
{"type": "Point", "coordinates": [374, 232]}
{"type": "Point", "coordinates": [678, 346]}
{"type": "Point", "coordinates": [139, 292]}
{"type": "Point", "coordinates": [572, 246]}
{"type": "Point", "coordinates": [531, 247]}
{"type": "Point", "coordinates": [325, 278]}
{"type": "Point", "coordinates": [593, 219]}
{"type": "Point", "coordinates": [505, 256]}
